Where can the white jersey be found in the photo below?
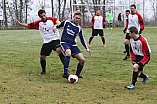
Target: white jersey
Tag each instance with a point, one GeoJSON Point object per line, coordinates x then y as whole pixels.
{"type": "Point", "coordinates": [135, 20]}
{"type": "Point", "coordinates": [98, 22]}
{"type": "Point", "coordinates": [45, 29]}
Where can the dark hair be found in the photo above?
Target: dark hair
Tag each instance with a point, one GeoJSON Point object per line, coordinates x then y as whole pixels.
{"type": "Point", "coordinates": [133, 5]}
{"type": "Point", "coordinates": [133, 29]}
{"type": "Point", "coordinates": [127, 11]}
{"type": "Point", "coordinates": [41, 11]}
{"type": "Point", "coordinates": [77, 13]}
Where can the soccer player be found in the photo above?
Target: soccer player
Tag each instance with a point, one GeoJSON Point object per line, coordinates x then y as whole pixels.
{"type": "Point", "coordinates": [140, 55]}
{"type": "Point", "coordinates": [134, 19]}
{"type": "Point", "coordinates": [97, 24]}
{"type": "Point", "coordinates": [119, 20]}
{"type": "Point", "coordinates": [71, 30]}
{"type": "Point", "coordinates": [51, 39]}
{"type": "Point", "coordinates": [127, 38]}
{"type": "Point", "coordinates": [109, 19]}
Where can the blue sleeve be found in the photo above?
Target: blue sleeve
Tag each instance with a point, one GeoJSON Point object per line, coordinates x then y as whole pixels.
{"type": "Point", "coordinates": [61, 25]}
{"type": "Point", "coordinates": [82, 39]}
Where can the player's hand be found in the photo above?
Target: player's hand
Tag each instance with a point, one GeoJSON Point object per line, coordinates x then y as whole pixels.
{"type": "Point", "coordinates": [140, 31]}
{"type": "Point", "coordinates": [133, 62]}
{"type": "Point", "coordinates": [124, 30]}
{"type": "Point", "coordinates": [18, 22]}
{"type": "Point", "coordinates": [89, 51]}
{"type": "Point", "coordinates": [54, 29]}
{"type": "Point", "coordinates": [58, 23]}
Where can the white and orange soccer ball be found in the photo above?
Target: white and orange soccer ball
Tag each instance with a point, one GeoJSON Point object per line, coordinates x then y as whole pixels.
{"type": "Point", "coordinates": [73, 78]}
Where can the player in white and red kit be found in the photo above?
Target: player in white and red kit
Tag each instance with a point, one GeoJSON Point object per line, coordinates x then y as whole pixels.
{"type": "Point", "coordinates": [97, 24]}
{"type": "Point", "coordinates": [140, 55]}
{"type": "Point", "coordinates": [134, 19]}
{"type": "Point", "coordinates": [51, 39]}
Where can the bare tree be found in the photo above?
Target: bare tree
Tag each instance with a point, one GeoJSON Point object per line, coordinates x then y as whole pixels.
{"type": "Point", "coordinates": [21, 8]}
{"type": "Point", "coordinates": [63, 9]}
{"type": "Point", "coordinates": [5, 14]}
{"type": "Point", "coordinates": [52, 7]}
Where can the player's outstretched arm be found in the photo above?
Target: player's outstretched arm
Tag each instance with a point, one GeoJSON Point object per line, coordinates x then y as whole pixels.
{"type": "Point", "coordinates": [21, 24]}
{"type": "Point", "coordinates": [89, 51]}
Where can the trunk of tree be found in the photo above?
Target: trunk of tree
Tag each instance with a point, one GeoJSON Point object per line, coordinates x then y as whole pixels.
{"type": "Point", "coordinates": [104, 11]}
{"type": "Point", "coordinates": [26, 3]}
{"type": "Point", "coordinates": [16, 10]}
{"type": "Point", "coordinates": [83, 11]}
{"type": "Point", "coordinates": [5, 15]}
{"type": "Point", "coordinates": [21, 8]}
{"type": "Point", "coordinates": [63, 9]}
{"type": "Point", "coordinates": [52, 7]}
{"type": "Point", "coordinates": [59, 8]}
{"type": "Point", "coordinates": [94, 6]}
{"type": "Point", "coordinates": [71, 9]}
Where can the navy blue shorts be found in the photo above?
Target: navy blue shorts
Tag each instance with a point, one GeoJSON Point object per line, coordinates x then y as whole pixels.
{"type": "Point", "coordinates": [74, 49]}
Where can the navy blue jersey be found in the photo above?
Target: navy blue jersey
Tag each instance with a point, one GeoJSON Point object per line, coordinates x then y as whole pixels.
{"type": "Point", "coordinates": [70, 32]}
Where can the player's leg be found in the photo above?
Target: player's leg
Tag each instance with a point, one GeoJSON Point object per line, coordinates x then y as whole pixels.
{"type": "Point", "coordinates": [43, 64]}
{"type": "Point", "coordinates": [111, 25]}
{"type": "Point", "coordinates": [134, 77]}
{"type": "Point", "coordinates": [80, 65]}
{"type": "Point", "coordinates": [61, 55]}
{"type": "Point", "coordinates": [108, 25]}
{"type": "Point", "coordinates": [126, 42]}
{"type": "Point", "coordinates": [101, 33]}
{"type": "Point", "coordinates": [94, 33]}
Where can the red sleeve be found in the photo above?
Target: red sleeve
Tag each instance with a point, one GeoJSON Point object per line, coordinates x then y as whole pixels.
{"type": "Point", "coordinates": [92, 22]}
{"type": "Point", "coordinates": [34, 25]}
{"type": "Point", "coordinates": [126, 25]}
{"type": "Point", "coordinates": [140, 19]}
{"type": "Point", "coordinates": [145, 51]}
{"type": "Point", "coordinates": [52, 19]}
{"type": "Point", "coordinates": [133, 57]}
{"type": "Point", "coordinates": [104, 23]}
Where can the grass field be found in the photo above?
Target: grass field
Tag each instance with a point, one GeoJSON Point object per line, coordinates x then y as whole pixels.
{"type": "Point", "coordinates": [106, 74]}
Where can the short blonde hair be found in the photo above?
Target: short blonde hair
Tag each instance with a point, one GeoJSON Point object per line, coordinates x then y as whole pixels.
{"type": "Point", "coordinates": [77, 13]}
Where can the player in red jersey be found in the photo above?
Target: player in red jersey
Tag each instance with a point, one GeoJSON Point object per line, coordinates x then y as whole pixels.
{"type": "Point", "coordinates": [51, 39]}
{"type": "Point", "coordinates": [140, 55]}
{"type": "Point", "coordinates": [134, 19]}
{"type": "Point", "coordinates": [97, 24]}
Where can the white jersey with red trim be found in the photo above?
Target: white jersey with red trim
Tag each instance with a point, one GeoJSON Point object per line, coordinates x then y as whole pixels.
{"type": "Point", "coordinates": [140, 47]}
{"type": "Point", "coordinates": [98, 21]}
{"type": "Point", "coordinates": [135, 20]}
{"type": "Point", "coordinates": [45, 29]}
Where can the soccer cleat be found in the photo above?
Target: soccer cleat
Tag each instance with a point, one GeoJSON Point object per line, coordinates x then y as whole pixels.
{"type": "Point", "coordinates": [124, 51]}
{"type": "Point", "coordinates": [130, 86]}
{"type": "Point", "coordinates": [89, 44]}
{"type": "Point", "coordinates": [80, 76]}
{"type": "Point", "coordinates": [111, 28]}
{"type": "Point", "coordinates": [107, 28]}
{"type": "Point", "coordinates": [144, 80]}
{"type": "Point", "coordinates": [104, 45]}
{"type": "Point", "coordinates": [126, 57]}
{"type": "Point", "coordinates": [42, 73]}
{"type": "Point", "coordinates": [65, 76]}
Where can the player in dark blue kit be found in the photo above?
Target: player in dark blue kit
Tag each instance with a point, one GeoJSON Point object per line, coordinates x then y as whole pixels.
{"type": "Point", "coordinates": [71, 30]}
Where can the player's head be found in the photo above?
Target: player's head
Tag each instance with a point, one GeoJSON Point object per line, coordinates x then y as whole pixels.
{"type": "Point", "coordinates": [77, 17]}
{"type": "Point", "coordinates": [42, 15]}
{"type": "Point", "coordinates": [127, 12]}
{"type": "Point", "coordinates": [109, 10]}
{"type": "Point", "coordinates": [98, 12]}
{"type": "Point", "coordinates": [133, 8]}
{"type": "Point", "coordinates": [133, 31]}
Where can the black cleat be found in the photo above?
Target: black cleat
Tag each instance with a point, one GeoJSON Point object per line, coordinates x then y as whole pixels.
{"type": "Point", "coordinates": [124, 51]}
{"type": "Point", "coordinates": [42, 73]}
{"type": "Point", "coordinates": [126, 57]}
{"type": "Point", "coordinates": [65, 76]}
{"type": "Point", "coordinates": [80, 76]}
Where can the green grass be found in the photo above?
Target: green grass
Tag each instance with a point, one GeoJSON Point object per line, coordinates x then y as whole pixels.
{"type": "Point", "coordinates": [106, 74]}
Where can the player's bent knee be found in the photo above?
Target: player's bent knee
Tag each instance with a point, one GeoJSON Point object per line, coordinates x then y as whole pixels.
{"type": "Point", "coordinates": [135, 69]}
{"type": "Point", "coordinates": [59, 51]}
{"type": "Point", "coordinates": [82, 61]}
{"type": "Point", "coordinates": [42, 57]}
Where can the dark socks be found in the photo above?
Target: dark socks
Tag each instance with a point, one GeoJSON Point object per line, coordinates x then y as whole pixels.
{"type": "Point", "coordinates": [90, 39]}
{"type": "Point", "coordinates": [66, 64]}
{"type": "Point", "coordinates": [61, 56]}
{"type": "Point", "coordinates": [143, 76]}
{"type": "Point", "coordinates": [103, 40]}
{"type": "Point", "coordinates": [127, 49]}
{"type": "Point", "coordinates": [79, 69]}
{"type": "Point", "coordinates": [43, 65]}
{"type": "Point", "coordinates": [134, 78]}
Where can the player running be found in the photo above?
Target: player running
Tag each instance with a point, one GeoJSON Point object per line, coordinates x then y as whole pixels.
{"type": "Point", "coordinates": [140, 55]}
{"type": "Point", "coordinates": [109, 19]}
{"type": "Point", "coordinates": [51, 39]}
{"type": "Point", "coordinates": [134, 19]}
{"type": "Point", "coordinates": [127, 37]}
{"type": "Point", "coordinates": [97, 24]}
{"type": "Point", "coordinates": [71, 30]}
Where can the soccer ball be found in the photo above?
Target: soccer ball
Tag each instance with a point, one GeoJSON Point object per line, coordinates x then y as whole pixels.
{"type": "Point", "coordinates": [73, 78]}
